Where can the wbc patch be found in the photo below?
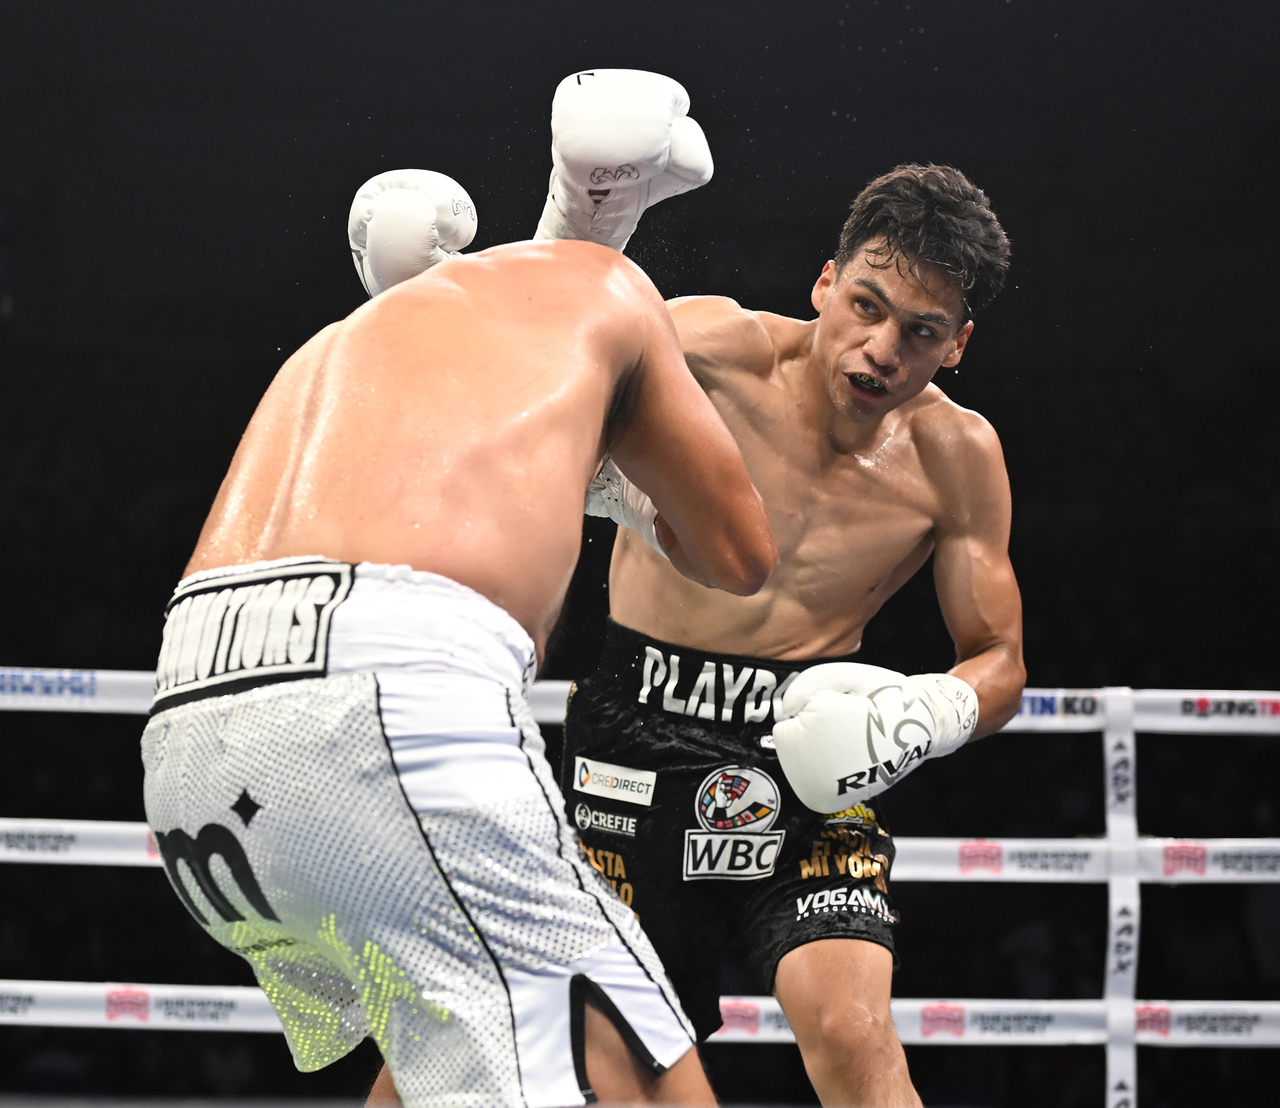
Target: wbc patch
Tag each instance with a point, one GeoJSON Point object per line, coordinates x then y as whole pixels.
{"type": "Point", "coordinates": [246, 629]}
{"type": "Point", "coordinates": [735, 806]}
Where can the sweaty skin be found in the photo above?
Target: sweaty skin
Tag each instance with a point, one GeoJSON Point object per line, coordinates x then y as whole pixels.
{"type": "Point", "coordinates": [861, 481]}
{"type": "Point", "coordinates": [453, 424]}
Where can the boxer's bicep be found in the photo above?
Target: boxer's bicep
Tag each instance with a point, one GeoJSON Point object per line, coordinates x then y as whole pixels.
{"type": "Point", "coordinates": [977, 590]}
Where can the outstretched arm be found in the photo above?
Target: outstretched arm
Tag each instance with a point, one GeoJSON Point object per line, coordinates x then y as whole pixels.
{"type": "Point", "coordinates": [974, 577]}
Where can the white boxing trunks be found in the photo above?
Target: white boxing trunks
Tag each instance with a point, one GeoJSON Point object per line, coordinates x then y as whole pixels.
{"type": "Point", "coordinates": [348, 789]}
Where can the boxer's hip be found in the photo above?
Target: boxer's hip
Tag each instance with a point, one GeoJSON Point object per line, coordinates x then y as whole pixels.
{"type": "Point", "coordinates": [241, 627]}
{"type": "Point", "coordinates": [689, 815]}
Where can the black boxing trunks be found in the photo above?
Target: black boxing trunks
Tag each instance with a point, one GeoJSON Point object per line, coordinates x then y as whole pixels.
{"type": "Point", "coordinates": [692, 821]}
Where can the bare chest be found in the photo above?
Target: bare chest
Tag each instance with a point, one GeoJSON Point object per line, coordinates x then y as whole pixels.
{"type": "Point", "coordinates": [850, 527]}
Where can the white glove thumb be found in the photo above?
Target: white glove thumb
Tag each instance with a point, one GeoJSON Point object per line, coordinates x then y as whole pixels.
{"type": "Point", "coordinates": [403, 222]}
{"type": "Point", "coordinates": [689, 166]}
{"type": "Point", "coordinates": [843, 677]}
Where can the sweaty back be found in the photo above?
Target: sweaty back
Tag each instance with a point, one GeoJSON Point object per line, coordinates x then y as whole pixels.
{"type": "Point", "coordinates": [452, 425]}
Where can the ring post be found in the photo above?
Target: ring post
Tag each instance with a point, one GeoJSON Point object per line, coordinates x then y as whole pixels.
{"type": "Point", "coordinates": [1119, 989]}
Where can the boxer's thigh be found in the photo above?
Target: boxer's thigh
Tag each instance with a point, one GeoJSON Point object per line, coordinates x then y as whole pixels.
{"type": "Point", "coordinates": [831, 881]}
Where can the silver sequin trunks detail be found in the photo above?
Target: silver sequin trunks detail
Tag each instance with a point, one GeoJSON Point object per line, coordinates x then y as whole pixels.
{"type": "Point", "coordinates": [383, 841]}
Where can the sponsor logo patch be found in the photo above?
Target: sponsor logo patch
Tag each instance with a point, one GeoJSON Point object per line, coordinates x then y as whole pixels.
{"type": "Point", "coordinates": [981, 854]}
{"type": "Point", "coordinates": [1051, 704]}
{"type": "Point", "coordinates": [612, 867]}
{"type": "Point", "coordinates": [128, 1004]}
{"type": "Point", "coordinates": [194, 1009]}
{"type": "Point", "coordinates": [610, 174]}
{"type": "Point", "coordinates": [749, 694]}
{"type": "Point", "coordinates": [248, 629]}
{"type": "Point", "coordinates": [740, 1015]}
{"type": "Point", "coordinates": [857, 816]}
{"type": "Point", "coordinates": [37, 842]}
{"type": "Point", "coordinates": [942, 1019]}
{"type": "Point", "coordinates": [856, 898]}
{"type": "Point", "coordinates": [1218, 1024]}
{"type": "Point", "coordinates": [847, 851]}
{"type": "Point", "coordinates": [591, 819]}
{"type": "Point", "coordinates": [1152, 1019]}
{"type": "Point", "coordinates": [1185, 858]}
{"type": "Point", "coordinates": [735, 806]}
{"type": "Point", "coordinates": [634, 786]}
{"type": "Point", "coordinates": [16, 1004]}
{"type": "Point", "coordinates": [1221, 706]}
{"type": "Point", "coordinates": [1248, 861]}
{"type": "Point", "coordinates": [1050, 861]}
{"type": "Point", "coordinates": [1012, 1023]}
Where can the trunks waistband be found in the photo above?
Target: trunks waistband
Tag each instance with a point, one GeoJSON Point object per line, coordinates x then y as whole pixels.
{"type": "Point", "coordinates": [240, 627]}
{"type": "Point", "coordinates": [683, 681]}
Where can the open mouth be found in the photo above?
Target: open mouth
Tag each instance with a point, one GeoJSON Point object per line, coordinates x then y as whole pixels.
{"type": "Point", "coordinates": [866, 383]}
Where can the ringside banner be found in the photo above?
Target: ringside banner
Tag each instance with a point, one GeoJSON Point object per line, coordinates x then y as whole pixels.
{"type": "Point", "coordinates": [127, 692]}
{"type": "Point", "coordinates": [128, 1006]}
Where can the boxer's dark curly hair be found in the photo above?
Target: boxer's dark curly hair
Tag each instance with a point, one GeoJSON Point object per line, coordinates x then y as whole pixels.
{"type": "Point", "coordinates": [931, 213]}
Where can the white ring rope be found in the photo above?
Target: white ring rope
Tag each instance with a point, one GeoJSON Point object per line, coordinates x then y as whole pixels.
{"type": "Point", "coordinates": [747, 1019]}
{"type": "Point", "coordinates": [1123, 859]}
{"type": "Point", "coordinates": [83, 842]}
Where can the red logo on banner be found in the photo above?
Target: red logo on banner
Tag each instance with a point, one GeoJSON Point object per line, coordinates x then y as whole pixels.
{"type": "Point", "coordinates": [942, 1019]}
{"type": "Point", "coordinates": [1185, 858]}
{"type": "Point", "coordinates": [740, 1015]}
{"type": "Point", "coordinates": [128, 1004]}
{"type": "Point", "coordinates": [1153, 1019]}
{"type": "Point", "coordinates": [981, 854]}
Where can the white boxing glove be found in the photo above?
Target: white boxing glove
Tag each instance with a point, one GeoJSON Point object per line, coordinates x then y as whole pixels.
{"type": "Point", "coordinates": [405, 221]}
{"type": "Point", "coordinates": [854, 730]}
{"type": "Point", "coordinates": [613, 496]}
{"type": "Point", "coordinates": [621, 140]}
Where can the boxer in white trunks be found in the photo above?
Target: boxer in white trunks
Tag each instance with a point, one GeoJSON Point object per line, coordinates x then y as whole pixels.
{"type": "Point", "coordinates": [758, 751]}
{"type": "Point", "coordinates": [343, 775]}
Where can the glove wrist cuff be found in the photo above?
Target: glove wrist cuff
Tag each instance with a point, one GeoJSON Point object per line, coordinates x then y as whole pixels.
{"type": "Point", "coordinates": [955, 708]}
{"type": "Point", "coordinates": [572, 213]}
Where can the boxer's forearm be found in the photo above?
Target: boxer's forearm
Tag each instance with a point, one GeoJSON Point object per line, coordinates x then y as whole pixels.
{"type": "Point", "coordinates": [740, 565]}
{"type": "Point", "coordinates": [997, 675]}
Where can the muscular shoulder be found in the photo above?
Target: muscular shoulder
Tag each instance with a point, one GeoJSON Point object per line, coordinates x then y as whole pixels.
{"type": "Point", "coordinates": [960, 453]}
{"type": "Point", "coordinates": [718, 335]}
{"type": "Point", "coordinates": [553, 266]}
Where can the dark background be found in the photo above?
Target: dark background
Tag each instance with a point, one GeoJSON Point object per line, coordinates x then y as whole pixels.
{"type": "Point", "coordinates": [174, 182]}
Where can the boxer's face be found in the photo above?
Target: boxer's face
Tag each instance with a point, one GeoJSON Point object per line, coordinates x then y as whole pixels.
{"type": "Point", "coordinates": [884, 331]}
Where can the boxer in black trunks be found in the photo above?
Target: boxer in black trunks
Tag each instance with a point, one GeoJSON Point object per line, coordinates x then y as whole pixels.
{"type": "Point", "coordinates": [866, 469]}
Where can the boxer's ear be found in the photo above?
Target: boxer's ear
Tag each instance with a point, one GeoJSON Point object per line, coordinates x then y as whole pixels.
{"type": "Point", "coordinates": [825, 283]}
{"type": "Point", "coordinates": [961, 340]}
